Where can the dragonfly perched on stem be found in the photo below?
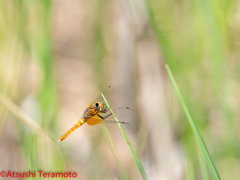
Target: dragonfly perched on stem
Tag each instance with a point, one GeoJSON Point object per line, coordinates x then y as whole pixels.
{"type": "Point", "coordinates": [98, 112]}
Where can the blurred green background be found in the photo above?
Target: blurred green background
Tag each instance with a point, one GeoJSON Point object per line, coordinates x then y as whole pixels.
{"type": "Point", "coordinates": [57, 56]}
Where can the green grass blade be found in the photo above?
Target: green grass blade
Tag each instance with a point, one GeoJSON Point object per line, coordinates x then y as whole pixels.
{"type": "Point", "coordinates": [139, 164]}
{"type": "Point", "coordinates": [194, 127]}
{"type": "Point", "coordinates": [202, 163]}
{"type": "Point", "coordinates": [115, 154]}
{"type": "Point", "coordinates": [190, 174]}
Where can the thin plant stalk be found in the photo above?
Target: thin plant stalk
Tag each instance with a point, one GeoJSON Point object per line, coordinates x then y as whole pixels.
{"type": "Point", "coordinates": [139, 164]}
{"type": "Point", "coordinates": [21, 115]}
{"type": "Point", "coordinates": [115, 154]}
{"type": "Point", "coordinates": [194, 127]}
{"type": "Point", "coordinates": [202, 163]}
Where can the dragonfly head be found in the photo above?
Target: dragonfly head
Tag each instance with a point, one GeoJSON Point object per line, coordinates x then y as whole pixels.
{"type": "Point", "coordinates": [99, 106]}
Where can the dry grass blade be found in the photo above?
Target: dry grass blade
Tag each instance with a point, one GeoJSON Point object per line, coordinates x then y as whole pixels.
{"type": "Point", "coordinates": [22, 115]}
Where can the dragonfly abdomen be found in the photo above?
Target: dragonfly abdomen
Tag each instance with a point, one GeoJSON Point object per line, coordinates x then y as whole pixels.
{"type": "Point", "coordinates": [78, 124]}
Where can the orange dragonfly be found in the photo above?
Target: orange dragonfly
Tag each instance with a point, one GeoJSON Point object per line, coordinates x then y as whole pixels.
{"type": "Point", "coordinates": [98, 112]}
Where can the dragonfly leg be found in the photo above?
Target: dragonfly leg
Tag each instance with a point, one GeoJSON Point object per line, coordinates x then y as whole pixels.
{"type": "Point", "coordinates": [105, 110]}
{"type": "Point", "coordinates": [105, 116]}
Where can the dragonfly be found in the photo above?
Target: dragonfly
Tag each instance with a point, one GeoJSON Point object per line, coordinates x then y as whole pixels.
{"type": "Point", "coordinates": [98, 112]}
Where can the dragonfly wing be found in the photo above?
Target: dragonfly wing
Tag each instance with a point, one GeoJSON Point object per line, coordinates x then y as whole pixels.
{"type": "Point", "coordinates": [106, 115]}
{"type": "Point", "coordinates": [120, 112]}
{"type": "Point", "coordinates": [108, 92]}
{"type": "Point", "coordinates": [94, 120]}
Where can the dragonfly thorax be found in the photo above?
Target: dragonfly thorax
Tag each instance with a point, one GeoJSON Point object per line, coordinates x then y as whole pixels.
{"type": "Point", "coordinates": [93, 110]}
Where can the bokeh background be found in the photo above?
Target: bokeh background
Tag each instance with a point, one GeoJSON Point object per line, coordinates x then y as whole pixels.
{"type": "Point", "coordinates": [57, 56]}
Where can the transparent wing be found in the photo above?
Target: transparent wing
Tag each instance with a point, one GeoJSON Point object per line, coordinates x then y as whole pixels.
{"type": "Point", "coordinates": [107, 116]}
{"type": "Point", "coordinates": [121, 112]}
{"type": "Point", "coordinates": [96, 120]}
{"type": "Point", "coordinates": [108, 92]}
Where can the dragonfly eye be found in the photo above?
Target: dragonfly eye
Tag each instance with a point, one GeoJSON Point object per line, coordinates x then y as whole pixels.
{"type": "Point", "coordinates": [97, 105]}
